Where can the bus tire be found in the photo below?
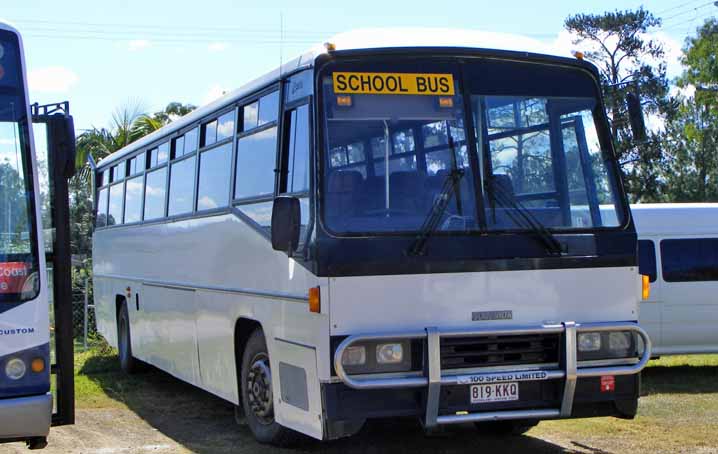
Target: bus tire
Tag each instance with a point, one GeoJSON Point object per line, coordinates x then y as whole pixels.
{"type": "Point", "coordinates": [504, 428]}
{"type": "Point", "coordinates": [128, 363]}
{"type": "Point", "coordinates": [257, 398]}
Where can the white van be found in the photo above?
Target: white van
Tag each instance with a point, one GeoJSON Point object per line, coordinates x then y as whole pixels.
{"type": "Point", "coordinates": [678, 249]}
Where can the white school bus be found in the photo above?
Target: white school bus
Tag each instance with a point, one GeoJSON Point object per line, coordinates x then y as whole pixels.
{"type": "Point", "coordinates": [381, 230]}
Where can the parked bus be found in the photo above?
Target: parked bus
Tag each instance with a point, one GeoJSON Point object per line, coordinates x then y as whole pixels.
{"type": "Point", "coordinates": [678, 250]}
{"type": "Point", "coordinates": [33, 239]}
{"type": "Point", "coordinates": [381, 230]}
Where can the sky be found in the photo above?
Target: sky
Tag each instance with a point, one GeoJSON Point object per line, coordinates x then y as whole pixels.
{"type": "Point", "coordinates": [103, 56]}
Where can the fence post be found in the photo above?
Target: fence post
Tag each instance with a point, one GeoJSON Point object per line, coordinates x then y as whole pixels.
{"type": "Point", "coordinates": [84, 324]}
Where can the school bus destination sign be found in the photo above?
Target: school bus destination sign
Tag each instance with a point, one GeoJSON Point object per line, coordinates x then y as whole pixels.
{"type": "Point", "coordinates": [393, 83]}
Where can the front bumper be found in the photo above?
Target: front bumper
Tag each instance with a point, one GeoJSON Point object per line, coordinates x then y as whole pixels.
{"type": "Point", "coordinates": [25, 417]}
{"type": "Point", "coordinates": [554, 389]}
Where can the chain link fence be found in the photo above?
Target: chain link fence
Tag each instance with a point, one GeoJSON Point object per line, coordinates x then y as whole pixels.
{"type": "Point", "coordinates": [84, 324]}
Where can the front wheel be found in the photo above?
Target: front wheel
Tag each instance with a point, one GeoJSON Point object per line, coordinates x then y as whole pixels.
{"type": "Point", "coordinates": [257, 396]}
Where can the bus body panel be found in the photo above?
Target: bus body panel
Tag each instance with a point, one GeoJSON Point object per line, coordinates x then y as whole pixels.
{"type": "Point", "coordinates": [375, 303]}
{"type": "Point", "coordinates": [25, 326]}
{"type": "Point", "coordinates": [188, 312]}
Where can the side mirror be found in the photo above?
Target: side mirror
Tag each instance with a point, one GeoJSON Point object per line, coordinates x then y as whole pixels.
{"type": "Point", "coordinates": [635, 116]}
{"type": "Point", "coordinates": [286, 222]}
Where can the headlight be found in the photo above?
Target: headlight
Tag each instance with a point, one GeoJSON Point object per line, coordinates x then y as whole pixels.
{"type": "Point", "coordinates": [619, 341]}
{"type": "Point", "coordinates": [15, 369]}
{"type": "Point", "coordinates": [389, 353]}
{"type": "Point", "coordinates": [589, 342]}
{"type": "Point", "coordinates": [354, 355]}
{"type": "Point", "coordinates": [376, 357]}
{"type": "Point", "coordinates": [606, 345]}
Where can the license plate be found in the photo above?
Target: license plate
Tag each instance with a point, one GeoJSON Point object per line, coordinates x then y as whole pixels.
{"type": "Point", "coordinates": [494, 392]}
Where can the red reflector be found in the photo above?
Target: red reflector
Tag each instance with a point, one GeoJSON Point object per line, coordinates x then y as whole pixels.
{"type": "Point", "coordinates": [608, 383]}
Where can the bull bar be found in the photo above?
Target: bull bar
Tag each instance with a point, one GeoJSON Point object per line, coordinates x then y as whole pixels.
{"type": "Point", "coordinates": [435, 379]}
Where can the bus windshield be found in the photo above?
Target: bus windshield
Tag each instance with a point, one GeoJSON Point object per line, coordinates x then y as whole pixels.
{"type": "Point", "coordinates": [18, 248]}
{"type": "Point", "coordinates": [390, 159]}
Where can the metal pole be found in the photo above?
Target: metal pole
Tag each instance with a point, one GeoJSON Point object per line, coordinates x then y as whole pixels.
{"type": "Point", "coordinates": [84, 323]}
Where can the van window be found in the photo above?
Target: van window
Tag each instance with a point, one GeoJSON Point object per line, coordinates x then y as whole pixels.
{"type": "Point", "coordinates": [647, 259]}
{"type": "Point", "coordinates": [690, 260]}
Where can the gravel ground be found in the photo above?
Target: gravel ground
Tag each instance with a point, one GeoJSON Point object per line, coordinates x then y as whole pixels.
{"type": "Point", "coordinates": [120, 431]}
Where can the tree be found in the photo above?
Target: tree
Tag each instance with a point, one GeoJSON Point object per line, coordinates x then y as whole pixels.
{"type": "Point", "coordinates": [691, 168]}
{"type": "Point", "coordinates": [147, 124]}
{"type": "Point", "coordinates": [691, 171]}
{"type": "Point", "coordinates": [617, 43]}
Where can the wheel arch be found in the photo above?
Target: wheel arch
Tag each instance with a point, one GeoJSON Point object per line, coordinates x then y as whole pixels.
{"type": "Point", "coordinates": [119, 299]}
{"type": "Point", "coordinates": [243, 329]}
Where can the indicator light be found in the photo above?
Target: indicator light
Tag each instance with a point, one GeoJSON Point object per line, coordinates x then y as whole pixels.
{"type": "Point", "coordinates": [344, 101]}
{"type": "Point", "coordinates": [37, 365]}
{"type": "Point", "coordinates": [315, 303]}
{"type": "Point", "coordinates": [646, 287]}
{"type": "Point", "coordinates": [446, 102]}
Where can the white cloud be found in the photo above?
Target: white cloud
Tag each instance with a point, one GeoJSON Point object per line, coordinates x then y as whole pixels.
{"type": "Point", "coordinates": [52, 79]}
{"type": "Point", "coordinates": [217, 47]}
{"type": "Point", "coordinates": [206, 203]}
{"type": "Point", "coordinates": [214, 92]}
{"type": "Point", "coordinates": [138, 44]}
{"type": "Point", "coordinates": [673, 51]}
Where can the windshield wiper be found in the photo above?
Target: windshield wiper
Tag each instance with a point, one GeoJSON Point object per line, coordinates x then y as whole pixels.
{"type": "Point", "coordinates": [552, 245]}
{"type": "Point", "coordinates": [431, 222]}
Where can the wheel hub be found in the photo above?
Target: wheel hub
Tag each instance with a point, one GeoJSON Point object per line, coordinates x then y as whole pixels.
{"type": "Point", "coordinates": [259, 389]}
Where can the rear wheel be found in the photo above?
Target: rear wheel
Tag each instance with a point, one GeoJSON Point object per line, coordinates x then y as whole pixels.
{"type": "Point", "coordinates": [257, 397]}
{"type": "Point", "coordinates": [503, 428]}
{"type": "Point", "coordinates": [124, 342]}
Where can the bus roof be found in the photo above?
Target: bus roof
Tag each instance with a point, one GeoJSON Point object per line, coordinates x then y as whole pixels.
{"type": "Point", "coordinates": [675, 218]}
{"type": "Point", "coordinates": [7, 26]}
{"type": "Point", "coordinates": [380, 38]}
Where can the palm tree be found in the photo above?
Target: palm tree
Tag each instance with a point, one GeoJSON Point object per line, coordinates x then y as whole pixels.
{"type": "Point", "coordinates": [128, 124]}
{"type": "Point", "coordinates": [147, 124]}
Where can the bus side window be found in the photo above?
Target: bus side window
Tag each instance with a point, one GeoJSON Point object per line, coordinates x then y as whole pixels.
{"type": "Point", "coordinates": [297, 153]}
{"type": "Point", "coordinates": [256, 160]}
{"type": "Point", "coordinates": [647, 259]}
{"type": "Point", "coordinates": [101, 216]}
{"type": "Point", "coordinates": [296, 162]}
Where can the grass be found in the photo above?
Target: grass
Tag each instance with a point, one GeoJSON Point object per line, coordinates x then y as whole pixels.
{"type": "Point", "coordinates": [678, 409]}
